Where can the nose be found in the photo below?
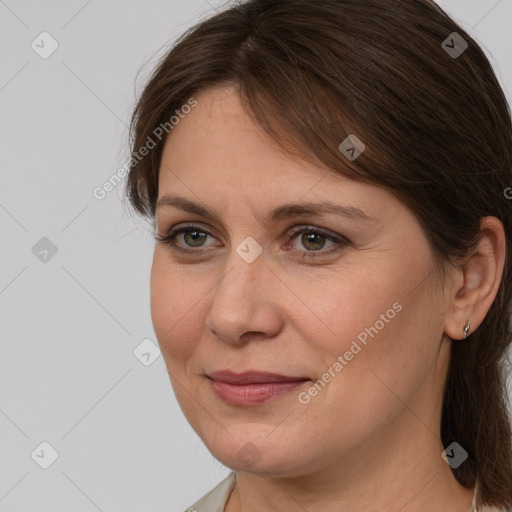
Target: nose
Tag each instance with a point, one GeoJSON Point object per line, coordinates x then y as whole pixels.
{"type": "Point", "coordinates": [245, 301]}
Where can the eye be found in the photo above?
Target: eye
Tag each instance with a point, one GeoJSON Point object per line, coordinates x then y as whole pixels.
{"type": "Point", "coordinates": [311, 238]}
{"type": "Point", "coordinates": [314, 241]}
{"type": "Point", "coordinates": [192, 235]}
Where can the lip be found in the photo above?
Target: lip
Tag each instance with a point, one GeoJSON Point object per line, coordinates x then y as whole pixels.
{"type": "Point", "coordinates": [252, 387]}
{"type": "Point", "coordinates": [252, 377]}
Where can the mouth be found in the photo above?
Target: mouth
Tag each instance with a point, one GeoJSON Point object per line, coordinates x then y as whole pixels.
{"type": "Point", "coordinates": [252, 387]}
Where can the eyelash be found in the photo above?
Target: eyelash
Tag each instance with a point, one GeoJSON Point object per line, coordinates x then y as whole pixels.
{"type": "Point", "coordinates": [170, 240]}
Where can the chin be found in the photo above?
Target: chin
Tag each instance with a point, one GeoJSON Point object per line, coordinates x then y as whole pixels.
{"type": "Point", "coordinates": [252, 449]}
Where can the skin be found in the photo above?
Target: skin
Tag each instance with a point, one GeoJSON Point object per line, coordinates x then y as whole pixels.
{"type": "Point", "coordinates": [370, 439]}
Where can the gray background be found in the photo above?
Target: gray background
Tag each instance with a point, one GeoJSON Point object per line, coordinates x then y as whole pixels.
{"type": "Point", "coordinates": [71, 321]}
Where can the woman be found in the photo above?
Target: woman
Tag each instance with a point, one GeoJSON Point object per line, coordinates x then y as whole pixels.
{"type": "Point", "coordinates": [364, 371]}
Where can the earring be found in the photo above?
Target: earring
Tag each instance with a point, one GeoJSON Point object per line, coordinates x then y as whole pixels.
{"type": "Point", "coordinates": [466, 329]}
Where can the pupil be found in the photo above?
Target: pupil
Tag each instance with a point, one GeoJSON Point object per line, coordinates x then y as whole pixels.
{"type": "Point", "coordinates": [195, 235]}
{"type": "Point", "coordinates": [311, 238]}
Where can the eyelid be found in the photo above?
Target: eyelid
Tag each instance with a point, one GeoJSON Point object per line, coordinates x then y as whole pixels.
{"type": "Point", "coordinates": [309, 228]}
{"type": "Point", "coordinates": [172, 233]}
{"type": "Point", "coordinates": [338, 240]}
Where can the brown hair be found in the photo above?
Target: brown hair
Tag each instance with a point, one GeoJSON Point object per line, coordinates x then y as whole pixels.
{"type": "Point", "coordinates": [438, 135]}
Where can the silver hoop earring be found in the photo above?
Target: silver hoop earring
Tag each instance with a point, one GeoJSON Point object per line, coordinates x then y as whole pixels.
{"type": "Point", "coordinates": [466, 329]}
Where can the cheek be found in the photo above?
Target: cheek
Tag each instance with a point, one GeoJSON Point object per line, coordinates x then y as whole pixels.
{"type": "Point", "coordinates": [175, 304]}
{"type": "Point", "coordinates": [370, 319]}
{"type": "Point", "coordinates": [356, 306]}
{"type": "Point", "coordinates": [381, 337]}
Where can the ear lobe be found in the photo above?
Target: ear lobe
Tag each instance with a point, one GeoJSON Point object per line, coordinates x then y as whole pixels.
{"type": "Point", "coordinates": [481, 275]}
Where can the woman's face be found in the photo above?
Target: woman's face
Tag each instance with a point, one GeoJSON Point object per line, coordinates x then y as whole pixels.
{"type": "Point", "coordinates": [350, 304]}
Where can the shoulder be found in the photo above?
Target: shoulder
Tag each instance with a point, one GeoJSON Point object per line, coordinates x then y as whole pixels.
{"type": "Point", "coordinates": [216, 499]}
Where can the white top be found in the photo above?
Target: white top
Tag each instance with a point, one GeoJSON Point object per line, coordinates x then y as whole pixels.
{"type": "Point", "coordinates": [217, 498]}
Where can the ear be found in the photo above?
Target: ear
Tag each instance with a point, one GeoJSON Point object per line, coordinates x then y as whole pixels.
{"type": "Point", "coordinates": [477, 281]}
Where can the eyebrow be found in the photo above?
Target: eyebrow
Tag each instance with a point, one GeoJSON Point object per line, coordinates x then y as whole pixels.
{"type": "Point", "coordinates": [281, 212]}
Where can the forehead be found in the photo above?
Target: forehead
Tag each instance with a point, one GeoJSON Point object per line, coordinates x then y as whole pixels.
{"type": "Point", "coordinates": [218, 126]}
{"type": "Point", "coordinates": [218, 140]}
{"type": "Point", "coordinates": [217, 155]}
